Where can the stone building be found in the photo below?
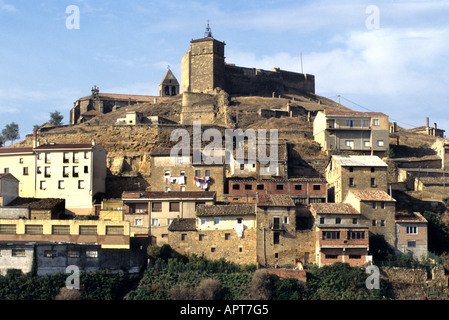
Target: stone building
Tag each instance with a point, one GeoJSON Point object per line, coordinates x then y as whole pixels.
{"type": "Point", "coordinates": [341, 234]}
{"type": "Point", "coordinates": [344, 173]}
{"type": "Point", "coordinates": [428, 130]}
{"type": "Point", "coordinates": [411, 235]}
{"type": "Point", "coordinates": [151, 213]}
{"type": "Point", "coordinates": [182, 174]}
{"type": "Point", "coordinates": [169, 85]}
{"type": "Point", "coordinates": [204, 69]}
{"type": "Point", "coordinates": [349, 131]}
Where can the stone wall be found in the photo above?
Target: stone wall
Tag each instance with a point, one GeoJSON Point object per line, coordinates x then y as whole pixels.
{"type": "Point", "coordinates": [403, 275]}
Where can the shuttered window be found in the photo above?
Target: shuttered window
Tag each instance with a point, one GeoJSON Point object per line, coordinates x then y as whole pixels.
{"type": "Point", "coordinates": [60, 230]}
{"type": "Point", "coordinates": [7, 229]}
{"type": "Point", "coordinates": [114, 230]}
{"type": "Point", "coordinates": [156, 206]}
{"type": "Point", "coordinates": [34, 229]}
{"type": "Point", "coordinates": [88, 230]}
{"type": "Point", "coordinates": [174, 206]}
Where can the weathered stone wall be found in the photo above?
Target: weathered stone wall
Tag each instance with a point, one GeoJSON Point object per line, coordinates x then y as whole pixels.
{"type": "Point", "coordinates": [403, 275]}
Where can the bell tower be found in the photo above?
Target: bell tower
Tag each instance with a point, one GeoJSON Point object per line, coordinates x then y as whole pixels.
{"type": "Point", "coordinates": [203, 64]}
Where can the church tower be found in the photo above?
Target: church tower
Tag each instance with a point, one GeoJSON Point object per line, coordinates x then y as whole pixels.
{"type": "Point", "coordinates": [203, 64]}
{"type": "Point", "coordinates": [169, 85]}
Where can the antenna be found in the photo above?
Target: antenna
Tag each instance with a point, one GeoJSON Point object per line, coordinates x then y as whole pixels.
{"type": "Point", "coordinates": [302, 70]}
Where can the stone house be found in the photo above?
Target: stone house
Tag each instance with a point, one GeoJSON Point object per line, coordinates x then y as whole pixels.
{"type": "Point", "coordinates": [433, 185]}
{"type": "Point", "coordinates": [341, 234]}
{"type": "Point", "coordinates": [302, 190]}
{"type": "Point", "coordinates": [411, 235]}
{"type": "Point", "coordinates": [377, 209]}
{"type": "Point", "coordinates": [218, 231]}
{"type": "Point", "coordinates": [366, 132]}
{"type": "Point", "coordinates": [353, 172]}
{"type": "Point", "coordinates": [180, 173]}
{"type": "Point", "coordinates": [151, 213]}
{"type": "Point", "coordinates": [169, 85]}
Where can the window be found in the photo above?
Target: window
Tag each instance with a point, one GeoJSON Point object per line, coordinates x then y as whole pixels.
{"type": "Point", "coordinates": [207, 173]}
{"type": "Point", "coordinates": [382, 205]}
{"type": "Point", "coordinates": [81, 184]}
{"type": "Point", "coordinates": [373, 182]}
{"type": "Point", "coordinates": [86, 154]}
{"type": "Point", "coordinates": [350, 123]}
{"type": "Point", "coordinates": [373, 170]}
{"type": "Point", "coordinates": [25, 171]}
{"type": "Point", "coordinates": [179, 160]}
{"type": "Point", "coordinates": [182, 188]}
{"type": "Point", "coordinates": [298, 186]}
{"type": "Point", "coordinates": [212, 249]}
{"type": "Point", "coordinates": [197, 173]}
{"type": "Point", "coordinates": [337, 220]}
{"type": "Point", "coordinates": [167, 173]}
{"type": "Point", "coordinates": [73, 254]}
{"type": "Point", "coordinates": [351, 182]}
{"type": "Point", "coordinates": [43, 185]}
{"type": "Point", "coordinates": [351, 169]}
{"type": "Point", "coordinates": [18, 252]}
{"type": "Point", "coordinates": [355, 256]}
{"type": "Point", "coordinates": [47, 157]}
{"type": "Point", "coordinates": [227, 236]}
{"type": "Point", "coordinates": [374, 223]}
{"type": "Point", "coordinates": [65, 172]}
{"type": "Point", "coordinates": [365, 123]}
{"type": "Point", "coordinates": [374, 205]}
{"type": "Point", "coordinates": [260, 187]}
{"type": "Point", "coordinates": [60, 229]}
{"type": "Point", "coordinates": [279, 187]}
{"type": "Point", "coordinates": [76, 158]}
{"type": "Point", "coordinates": [66, 157]}
{"type": "Point", "coordinates": [61, 184]}
{"type": "Point", "coordinates": [380, 143]}
{"type": "Point", "coordinates": [114, 230]}
{"type": "Point", "coordinates": [7, 228]}
{"type": "Point", "coordinates": [216, 221]}
{"type": "Point", "coordinates": [156, 206]}
{"type": "Point", "coordinates": [235, 186]}
{"type": "Point", "coordinates": [75, 172]}
{"type": "Point", "coordinates": [155, 222]}
{"type": "Point", "coordinates": [316, 187]}
{"type": "Point", "coordinates": [182, 173]}
{"type": "Point", "coordinates": [248, 187]}
{"type": "Point", "coordinates": [356, 235]}
{"type": "Point", "coordinates": [331, 235]}
{"type": "Point", "coordinates": [92, 254]}
{"type": "Point", "coordinates": [88, 230]}
{"type": "Point", "coordinates": [201, 237]}
{"type": "Point", "coordinates": [322, 220]}
{"type": "Point", "coordinates": [138, 222]}
{"type": "Point", "coordinates": [276, 236]}
{"type": "Point", "coordinates": [50, 254]}
{"type": "Point", "coordinates": [239, 220]}
{"type": "Point", "coordinates": [375, 122]}
{"type": "Point", "coordinates": [242, 167]}
{"type": "Point", "coordinates": [174, 206]}
{"type": "Point", "coordinates": [86, 169]}
{"type": "Point", "coordinates": [183, 237]}
{"type": "Point", "coordinates": [412, 230]}
{"type": "Point", "coordinates": [354, 220]}
{"type": "Point", "coordinates": [366, 143]}
{"type": "Point", "coordinates": [169, 221]}
{"type": "Point", "coordinates": [47, 172]}
{"type": "Point", "coordinates": [411, 244]}
{"type": "Point", "coordinates": [349, 144]}
{"type": "Point", "coordinates": [285, 220]}
{"type": "Point", "coordinates": [203, 221]}
{"type": "Point", "coordinates": [382, 223]}
{"type": "Point", "coordinates": [34, 229]}
{"type": "Point", "coordinates": [21, 160]}
{"type": "Point", "coordinates": [39, 170]}
{"type": "Point", "coordinates": [331, 256]}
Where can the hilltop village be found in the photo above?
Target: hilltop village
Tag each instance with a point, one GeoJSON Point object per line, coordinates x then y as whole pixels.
{"type": "Point", "coordinates": [98, 192]}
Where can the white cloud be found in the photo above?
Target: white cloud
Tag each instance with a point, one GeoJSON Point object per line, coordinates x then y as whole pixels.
{"type": "Point", "coordinates": [6, 7]}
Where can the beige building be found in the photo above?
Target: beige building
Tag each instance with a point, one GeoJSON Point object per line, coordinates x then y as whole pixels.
{"type": "Point", "coordinates": [366, 132]}
{"type": "Point", "coordinates": [74, 172]}
{"type": "Point", "coordinates": [377, 209]}
{"type": "Point", "coordinates": [411, 235]}
{"type": "Point", "coordinates": [151, 213]}
{"type": "Point", "coordinates": [180, 173]}
{"type": "Point", "coordinates": [345, 173]}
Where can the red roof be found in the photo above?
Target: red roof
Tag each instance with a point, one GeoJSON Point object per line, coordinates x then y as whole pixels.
{"type": "Point", "coordinates": [52, 146]}
{"type": "Point", "coordinates": [355, 113]}
{"type": "Point", "coordinates": [16, 150]}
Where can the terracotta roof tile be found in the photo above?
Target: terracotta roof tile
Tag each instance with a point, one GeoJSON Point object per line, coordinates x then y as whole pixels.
{"type": "Point", "coordinates": [333, 208]}
{"type": "Point", "coordinates": [225, 210]}
{"type": "Point", "coordinates": [54, 146]}
{"type": "Point", "coordinates": [183, 224]}
{"type": "Point", "coordinates": [413, 217]}
{"type": "Point", "coordinates": [275, 200]}
{"type": "Point", "coordinates": [15, 150]}
{"type": "Point", "coordinates": [169, 195]}
{"type": "Point", "coordinates": [372, 195]}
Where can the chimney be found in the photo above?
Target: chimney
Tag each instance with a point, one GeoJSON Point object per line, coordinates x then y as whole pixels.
{"type": "Point", "coordinates": [427, 122]}
{"type": "Point", "coordinates": [93, 142]}
{"type": "Point", "coordinates": [35, 139]}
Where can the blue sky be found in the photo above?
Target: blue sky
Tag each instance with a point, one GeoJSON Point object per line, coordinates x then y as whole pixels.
{"type": "Point", "coordinates": [400, 67]}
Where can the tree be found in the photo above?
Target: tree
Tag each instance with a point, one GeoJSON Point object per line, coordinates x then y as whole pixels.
{"type": "Point", "coordinates": [11, 132]}
{"type": "Point", "coordinates": [2, 140]}
{"type": "Point", "coordinates": [56, 118]}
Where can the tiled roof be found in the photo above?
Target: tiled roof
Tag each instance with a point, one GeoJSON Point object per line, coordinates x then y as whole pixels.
{"type": "Point", "coordinates": [35, 203]}
{"type": "Point", "coordinates": [333, 208]}
{"type": "Point", "coordinates": [291, 179]}
{"type": "Point", "coordinates": [183, 224]}
{"type": "Point", "coordinates": [125, 97]}
{"type": "Point", "coordinates": [168, 195]}
{"type": "Point", "coordinates": [275, 200]}
{"type": "Point", "coordinates": [54, 146]}
{"type": "Point", "coordinates": [16, 150]}
{"type": "Point", "coordinates": [225, 210]}
{"type": "Point", "coordinates": [372, 195]}
{"type": "Point", "coordinates": [359, 161]}
{"type": "Point", "coordinates": [413, 217]}
{"type": "Point", "coordinates": [2, 175]}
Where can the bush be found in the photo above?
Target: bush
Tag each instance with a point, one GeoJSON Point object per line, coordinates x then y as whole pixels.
{"type": "Point", "coordinates": [68, 294]}
{"type": "Point", "coordinates": [181, 292]}
{"type": "Point", "coordinates": [209, 289]}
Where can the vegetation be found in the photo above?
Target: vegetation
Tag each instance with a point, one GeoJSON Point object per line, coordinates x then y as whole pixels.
{"type": "Point", "coordinates": [94, 286]}
{"type": "Point", "coordinates": [11, 132]}
{"type": "Point", "coordinates": [56, 118]}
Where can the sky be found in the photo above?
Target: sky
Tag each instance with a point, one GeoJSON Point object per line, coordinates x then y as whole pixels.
{"type": "Point", "coordinates": [384, 56]}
